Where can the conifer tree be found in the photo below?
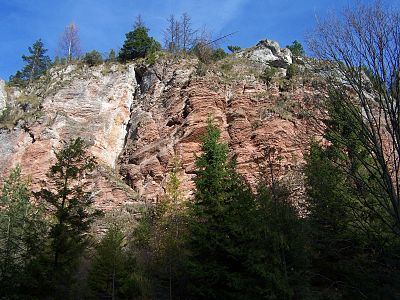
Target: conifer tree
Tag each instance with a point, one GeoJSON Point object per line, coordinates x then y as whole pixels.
{"type": "Point", "coordinates": [138, 44]}
{"type": "Point", "coordinates": [109, 270]}
{"type": "Point", "coordinates": [37, 64]}
{"type": "Point", "coordinates": [22, 235]}
{"type": "Point", "coordinates": [219, 227]}
{"type": "Point", "coordinates": [70, 203]}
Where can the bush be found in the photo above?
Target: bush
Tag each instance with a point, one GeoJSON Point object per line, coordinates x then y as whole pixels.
{"type": "Point", "coordinates": [268, 74]}
{"type": "Point", "coordinates": [203, 52]}
{"type": "Point", "coordinates": [93, 58]}
{"type": "Point", "coordinates": [219, 54]}
{"type": "Point", "coordinates": [292, 71]}
{"type": "Point", "coordinates": [296, 48]}
{"type": "Point", "coordinates": [234, 49]}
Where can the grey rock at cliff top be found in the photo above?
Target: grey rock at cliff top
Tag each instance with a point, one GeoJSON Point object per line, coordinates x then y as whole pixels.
{"type": "Point", "coordinates": [3, 95]}
{"type": "Point", "coordinates": [269, 53]}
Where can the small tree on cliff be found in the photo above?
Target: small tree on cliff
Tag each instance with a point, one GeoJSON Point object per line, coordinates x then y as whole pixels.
{"type": "Point", "coordinates": [70, 204]}
{"type": "Point", "coordinates": [37, 64]}
{"type": "Point", "coordinates": [138, 44]}
{"type": "Point", "coordinates": [70, 45]}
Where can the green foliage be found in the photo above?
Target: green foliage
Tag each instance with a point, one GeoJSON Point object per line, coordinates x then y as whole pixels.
{"type": "Point", "coordinates": [352, 243]}
{"type": "Point", "coordinates": [268, 74]}
{"type": "Point", "coordinates": [296, 48]}
{"type": "Point", "coordinates": [201, 69]}
{"type": "Point", "coordinates": [219, 54]}
{"type": "Point", "coordinates": [17, 80]}
{"type": "Point", "coordinates": [37, 64]}
{"type": "Point", "coordinates": [112, 55]}
{"type": "Point", "coordinates": [151, 58]}
{"type": "Point", "coordinates": [109, 270]}
{"type": "Point", "coordinates": [217, 232]}
{"type": "Point", "coordinates": [203, 52]}
{"type": "Point", "coordinates": [234, 49]}
{"type": "Point", "coordinates": [292, 71]}
{"type": "Point", "coordinates": [70, 202]}
{"type": "Point", "coordinates": [26, 107]}
{"type": "Point", "coordinates": [138, 44]}
{"type": "Point", "coordinates": [22, 234]}
{"type": "Point", "coordinates": [93, 58]}
{"type": "Point", "coordinates": [278, 256]}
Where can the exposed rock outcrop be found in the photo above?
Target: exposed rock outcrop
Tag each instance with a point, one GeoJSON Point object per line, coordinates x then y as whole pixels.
{"type": "Point", "coordinates": [255, 119]}
{"type": "Point", "coordinates": [268, 53]}
{"type": "Point", "coordinates": [137, 119]}
{"type": "Point", "coordinates": [93, 104]}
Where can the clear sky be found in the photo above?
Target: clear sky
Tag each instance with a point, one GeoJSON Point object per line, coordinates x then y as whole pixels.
{"type": "Point", "coordinates": [102, 24]}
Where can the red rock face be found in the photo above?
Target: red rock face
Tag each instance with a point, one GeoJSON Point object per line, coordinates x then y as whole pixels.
{"type": "Point", "coordinates": [263, 125]}
{"type": "Point", "coordinates": [135, 129]}
{"type": "Point", "coordinates": [87, 104]}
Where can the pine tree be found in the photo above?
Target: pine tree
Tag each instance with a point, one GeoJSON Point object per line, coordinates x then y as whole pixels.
{"type": "Point", "coordinates": [37, 64]}
{"type": "Point", "coordinates": [138, 44]}
{"type": "Point", "coordinates": [70, 203]}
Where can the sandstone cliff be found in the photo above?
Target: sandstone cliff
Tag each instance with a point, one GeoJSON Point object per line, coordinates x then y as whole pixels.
{"type": "Point", "coordinates": [137, 118]}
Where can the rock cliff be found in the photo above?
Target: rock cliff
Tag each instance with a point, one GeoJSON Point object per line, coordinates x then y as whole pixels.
{"type": "Point", "coordinates": [137, 118]}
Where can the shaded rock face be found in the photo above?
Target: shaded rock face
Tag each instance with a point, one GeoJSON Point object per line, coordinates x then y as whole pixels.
{"type": "Point", "coordinates": [138, 119]}
{"type": "Point", "coordinates": [269, 53]}
{"type": "Point", "coordinates": [3, 96]}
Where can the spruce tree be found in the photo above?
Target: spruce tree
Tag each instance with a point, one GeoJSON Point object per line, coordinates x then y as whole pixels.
{"type": "Point", "coordinates": [138, 44]}
{"type": "Point", "coordinates": [37, 62]}
{"type": "Point", "coordinates": [219, 227]}
{"type": "Point", "coordinates": [70, 203]}
{"type": "Point", "coordinates": [277, 258]}
{"type": "Point", "coordinates": [109, 270]}
{"type": "Point", "coordinates": [352, 240]}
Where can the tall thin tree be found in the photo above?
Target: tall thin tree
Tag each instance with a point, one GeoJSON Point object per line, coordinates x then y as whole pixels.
{"type": "Point", "coordinates": [69, 45]}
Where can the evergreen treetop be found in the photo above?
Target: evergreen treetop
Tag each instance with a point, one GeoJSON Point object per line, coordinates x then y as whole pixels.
{"type": "Point", "coordinates": [138, 44]}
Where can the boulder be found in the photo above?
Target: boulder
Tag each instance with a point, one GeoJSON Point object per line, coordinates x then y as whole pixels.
{"type": "Point", "coordinates": [268, 53]}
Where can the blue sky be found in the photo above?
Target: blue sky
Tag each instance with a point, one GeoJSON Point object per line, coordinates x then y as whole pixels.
{"type": "Point", "coordinates": [102, 24]}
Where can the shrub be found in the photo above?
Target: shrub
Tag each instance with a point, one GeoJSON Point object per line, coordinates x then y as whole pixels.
{"type": "Point", "coordinates": [268, 74]}
{"type": "Point", "coordinates": [93, 58]}
{"type": "Point", "coordinates": [292, 71]}
{"type": "Point", "coordinates": [296, 48]}
{"type": "Point", "coordinates": [203, 52]}
{"type": "Point", "coordinates": [234, 49]}
{"type": "Point", "coordinates": [219, 54]}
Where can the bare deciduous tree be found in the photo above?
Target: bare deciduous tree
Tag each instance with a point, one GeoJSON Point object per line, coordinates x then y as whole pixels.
{"type": "Point", "coordinates": [70, 43]}
{"type": "Point", "coordinates": [188, 34]}
{"type": "Point", "coordinates": [172, 34]}
{"type": "Point", "coordinates": [179, 34]}
{"type": "Point", "coordinates": [362, 50]}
